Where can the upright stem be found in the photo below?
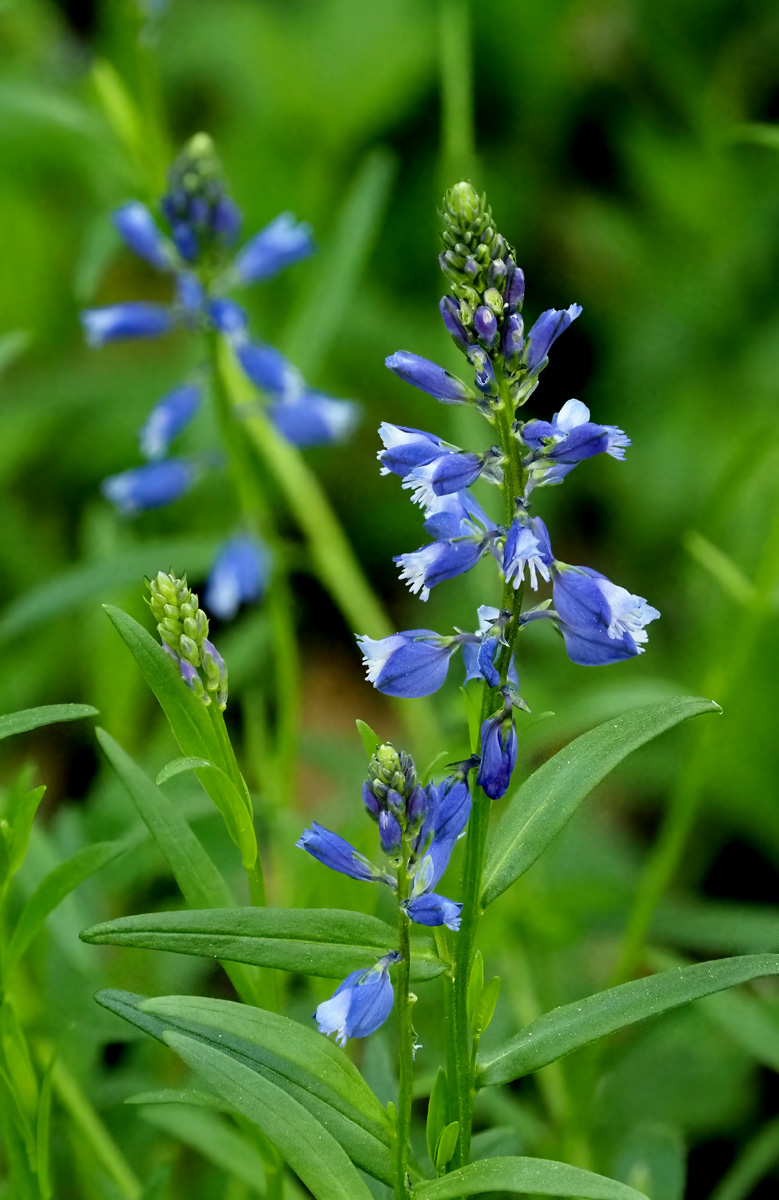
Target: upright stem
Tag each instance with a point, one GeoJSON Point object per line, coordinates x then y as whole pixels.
{"type": "Point", "coordinates": [405, 1035]}
{"type": "Point", "coordinates": [458, 142]}
{"type": "Point", "coordinates": [478, 826]}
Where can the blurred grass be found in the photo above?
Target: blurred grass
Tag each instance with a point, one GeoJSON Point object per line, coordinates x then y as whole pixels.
{"type": "Point", "coordinates": [629, 151]}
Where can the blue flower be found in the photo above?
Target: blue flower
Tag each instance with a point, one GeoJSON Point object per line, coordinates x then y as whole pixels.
{"type": "Point", "coordinates": [429, 377]}
{"type": "Point", "coordinates": [150, 486]}
{"type": "Point", "coordinates": [498, 754]}
{"type": "Point", "coordinates": [360, 1004]}
{"type": "Point", "coordinates": [238, 576]}
{"type": "Point", "coordinates": [558, 445]}
{"type": "Point", "coordinates": [464, 534]}
{"type": "Point", "coordinates": [140, 232]}
{"type": "Point", "coordinates": [405, 449]}
{"type": "Point", "coordinates": [390, 833]}
{"type": "Point", "coordinates": [486, 325]}
{"type": "Point", "coordinates": [600, 621]}
{"type": "Point", "coordinates": [451, 316]}
{"type": "Point", "coordinates": [280, 244]}
{"type": "Point", "coordinates": [314, 419]}
{"type": "Point", "coordinates": [118, 322]}
{"type": "Point", "coordinates": [335, 852]}
{"type": "Point", "coordinates": [512, 341]}
{"type": "Point", "coordinates": [485, 372]}
{"type": "Point", "coordinates": [168, 418]}
{"type": "Point", "coordinates": [409, 664]}
{"type": "Point", "coordinates": [527, 545]}
{"type": "Point", "coordinates": [514, 290]}
{"type": "Point", "coordinates": [448, 811]}
{"type": "Point", "coordinates": [546, 330]}
{"type": "Point", "coordinates": [424, 906]}
{"type": "Point", "coordinates": [481, 650]}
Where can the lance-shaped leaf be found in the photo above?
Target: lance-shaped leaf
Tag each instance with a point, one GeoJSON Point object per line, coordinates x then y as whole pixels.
{"type": "Point", "coordinates": [310, 1069]}
{"type": "Point", "coordinates": [546, 801]}
{"type": "Point", "coordinates": [529, 1176]}
{"type": "Point", "coordinates": [314, 941]}
{"type": "Point", "coordinates": [199, 730]}
{"type": "Point", "coordinates": [48, 714]}
{"type": "Point", "coordinates": [312, 1153]}
{"type": "Point", "coordinates": [574, 1025]}
{"type": "Point", "coordinates": [52, 890]}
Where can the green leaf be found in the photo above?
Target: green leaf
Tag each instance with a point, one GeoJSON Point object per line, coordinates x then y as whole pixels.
{"type": "Point", "coordinates": [475, 983]}
{"type": "Point", "coordinates": [546, 801]}
{"type": "Point", "coordinates": [312, 1153]}
{"type": "Point", "coordinates": [325, 942]}
{"type": "Point", "coordinates": [178, 766]}
{"type": "Point", "coordinates": [200, 882]}
{"type": "Point", "coordinates": [536, 1176]}
{"type": "Point", "coordinates": [52, 890]}
{"type": "Point", "coordinates": [199, 731]}
{"type": "Point", "coordinates": [21, 817]}
{"type": "Point", "coordinates": [485, 1009]}
{"type": "Point", "coordinates": [568, 1028]}
{"type": "Point", "coordinates": [49, 714]}
{"type": "Point", "coordinates": [436, 1112]}
{"type": "Point", "coordinates": [187, 1096]}
{"type": "Point", "coordinates": [43, 1133]}
{"type": "Point", "coordinates": [446, 1145]}
{"type": "Point", "coordinates": [12, 345]}
{"type": "Point", "coordinates": [212, 1137]}
{"type": "Point", "coordinates": [311, 1069]}
{"type": "Point", "coordinates": [722, 569]}
{"type": "Point", "coordinates": [237, 816]}
{"type": "Point", "coordinates": [370, 740]}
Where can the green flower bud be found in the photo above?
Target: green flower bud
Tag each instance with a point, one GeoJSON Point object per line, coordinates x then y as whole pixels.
{"type": "Point", "coordinates": [183, 628]}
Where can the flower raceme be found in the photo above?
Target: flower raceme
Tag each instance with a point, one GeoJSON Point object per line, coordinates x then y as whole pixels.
{"type": "Point", "coordinates": [600, 622]}
{"type": "Point", "coordinates": [203, 225]}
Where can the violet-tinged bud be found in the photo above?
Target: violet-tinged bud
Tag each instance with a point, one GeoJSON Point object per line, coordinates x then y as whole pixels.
{"type": "Point", "coordinates": [496, 275]}
{"type": "Point", "coordinates": [450, 314]}
{"type": "Point", "coordinates": [371, 800]}
{"type": "Point", "coordinates": [390, 833]}
{"type": "Point", "coordinates": [514, 292]}
{"type": "Point", "coordinates": [498, 754]}
{"type": "Point", "coordinates": [486, 325]}
{"type": "Point", "coordinates": [512, 340]}
{"type": "Point", "coordinates": [485, 373]}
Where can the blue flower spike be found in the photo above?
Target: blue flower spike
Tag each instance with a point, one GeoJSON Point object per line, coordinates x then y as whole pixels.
{"type": "Point", "coordinates": [361, 1004]}
{"type": "Point", "coordinates": [239, 575]}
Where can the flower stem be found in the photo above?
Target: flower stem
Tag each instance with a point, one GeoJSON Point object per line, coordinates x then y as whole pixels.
{"type": "Point", "coordinates": [457, 134]}
{"type": "Point", "coordinates": [478, 826]}
{"type": "Point", "coordinates": [405, 1037]}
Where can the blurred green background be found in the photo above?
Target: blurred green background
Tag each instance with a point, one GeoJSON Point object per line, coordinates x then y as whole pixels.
{"type": "Point", "coordinates": [627, 151]}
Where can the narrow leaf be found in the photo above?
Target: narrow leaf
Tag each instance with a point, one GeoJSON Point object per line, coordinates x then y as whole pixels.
{"type": "Point", "coordinates": [370, 740]}
{"type": "Point", "coordinates": [325, 942]}
{"type": "Point", "coordinates": [436, 1112]}
{"type": "Point", "coordinates": [546, 801]}
{"type": "Point", "coordinates": [308, 1148]}
{"type": "Point", "coordinates": [446, 1146]}
{"type": "Point", "coordinates": [53, 889]}
{"type": "Point", "coordinates": [574, 1025]}
{"type": "Point", "coordinates": [43, 1134]}
{"type": "Point", "coordinates": [212, 1137]}
{"type": "Point", "coordinates": [178, 766]}
{"type": "Point", "coordinates": [534, 1176]}
{"type": "Point", "coordinates": [49, 714]}
{"type": "Point", "coordinates": [21, 816]}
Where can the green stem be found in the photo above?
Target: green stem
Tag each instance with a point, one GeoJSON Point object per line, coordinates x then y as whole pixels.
{"type": "Point", "coordinates": [458, 141]}
{"type": "Point", "coordinates": [478, 826]}
{"type": "Point", "coordinates": [405, 1034]}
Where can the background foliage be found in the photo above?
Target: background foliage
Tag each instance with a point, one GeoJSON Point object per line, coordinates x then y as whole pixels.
{"type": "Point", "coordinates": [616, 140]}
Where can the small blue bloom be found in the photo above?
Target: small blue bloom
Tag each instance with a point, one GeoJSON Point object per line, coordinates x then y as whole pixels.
{"type": "Point", "coordinates": [455, 515]}
{"type": "Point", "coordinates": [546, 330]}
{"type": "Point", "coordinates": [138, 229]}
{"type": "Point", "coordinates": [314, 419]}
{"type": "Point", "coordinates": [168, 418]}
{"type": "Point", "coordinates": [422, 569]}
{"type": "Point", "coordinates": [360, 1004]}
{"type": "Point", "coordinates": [150, 486]}
{"type": "Point", "coordinates": [406, 449]}
{"type": "Point", "coordinates": [512, 340]}
{"type": "Point", "coordinates": [432, 909]}
{"type": "Point", "coordinates": [558, 445]}
{"type": "Point", "coordinates": [527, 545]}
{"type": "Point", "coordinates": [480, 664]}
{"type": "Point", "coordinates": [238, 576]}
{"type": "Point", "coordinates": [228, 317]}
{"type": "Point", "coordinates": [390, 833]}
{"type": "Point", "coordinates": [451, 316]}
{"type": "Point", "coordinates": [284, 242]}
{"type": "Point", "coordinates": [268, 368]}
{"type": "Point", "coordinates": [486, 325]}
{"type": "Point", "coordinates": [514, 292]}
{"type": "Point", "coordinates": [451, 472]}
{"type": "Point", "coordinates": [600, 621]}
{"type": "Point", "coordinates": [135, 319]}
{"type": "Point", "coordinates": [429, 377]}
{"type": "Point", "coordinates": [335, 852]}
{"type": "Point", "coordinates": [498, 754]}
{"type": "Point", "coordinates": [485, 372]}
{"type": "Point", "coordinates": [409, 664]}
{"type": "Point", "coordinates": [190, 297]}
{"type": "Point", "coordinates": [448, 812]}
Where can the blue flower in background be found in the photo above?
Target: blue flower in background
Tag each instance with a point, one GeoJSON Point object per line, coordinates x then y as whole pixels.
{"type": "Point", "coordinates": [150, 486]}
{"type": "Point", "coordinates": [203, 224]}
{"type": "Point", "coordinates": [239, 575]}
{"type": "Point", "coordinates": [360, 1004]}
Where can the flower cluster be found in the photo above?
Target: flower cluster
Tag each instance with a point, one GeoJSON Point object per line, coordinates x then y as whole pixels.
{"type": "Point", "coordinates": [599, 621]}
{"type": "Point", "coordinates": [418, 829]}
{"type": "Point", "coordinates": [183, 627]}
{"type": "Point", "coordinates": [203, 224]}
